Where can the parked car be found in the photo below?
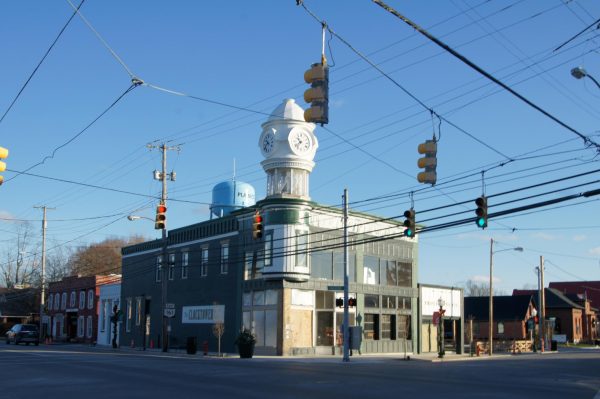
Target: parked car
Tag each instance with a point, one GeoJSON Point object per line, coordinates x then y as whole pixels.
{"type": "Point", "coordinates": [27, 333]}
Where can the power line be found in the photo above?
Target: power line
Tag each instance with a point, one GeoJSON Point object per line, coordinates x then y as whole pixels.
{"type": "Point", "coordinates": [41, 61]}
{"type": "Point", "coordinates": [587, 141]}
{"type": "Point", "coordinates": [133, 86]}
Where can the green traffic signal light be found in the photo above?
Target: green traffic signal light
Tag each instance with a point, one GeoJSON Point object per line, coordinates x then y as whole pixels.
{"type": "Point", "coordinates": [409, 223]}
{"type": "Point", "coordinates": [481, 212]}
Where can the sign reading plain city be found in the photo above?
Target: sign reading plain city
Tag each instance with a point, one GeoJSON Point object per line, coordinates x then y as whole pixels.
{"type": "Point", "coordinates": [430, 301]}
{"type": "Point", "coordinates": [203, 314]}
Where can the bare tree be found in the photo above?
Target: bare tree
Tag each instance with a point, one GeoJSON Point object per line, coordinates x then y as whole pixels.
{"type": "Point", "coordinates": [21, 259]}
{"type": "Point", "coordinates": [474, 288]}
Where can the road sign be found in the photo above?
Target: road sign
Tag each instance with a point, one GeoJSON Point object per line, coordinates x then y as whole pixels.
{"type": "Point", "coordinates": [169, 306]}
{"type": "Point", "coordinates": [169, 312]}
{"type": "Point", "coordinates": [335, 288]}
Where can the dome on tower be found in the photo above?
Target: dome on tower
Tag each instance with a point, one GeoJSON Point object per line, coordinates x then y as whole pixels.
{"type": "Point", "coordinates": [288, 110]}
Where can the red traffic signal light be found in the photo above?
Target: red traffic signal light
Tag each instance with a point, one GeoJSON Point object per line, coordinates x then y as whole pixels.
{"type": "Point", "coordinates": [257, 226]}
{"type": "Point", "coordinates": [160, 222]}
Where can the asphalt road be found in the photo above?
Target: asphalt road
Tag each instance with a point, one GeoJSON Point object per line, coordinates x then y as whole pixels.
{"type": "Point", "coordinates": [63, 371]}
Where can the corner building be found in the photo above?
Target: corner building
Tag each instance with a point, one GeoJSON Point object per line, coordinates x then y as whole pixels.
{"type": "Point", "coordinates": [284, 285]}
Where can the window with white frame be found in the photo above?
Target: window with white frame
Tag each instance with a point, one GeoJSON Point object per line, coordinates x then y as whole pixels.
{"type": "Point", "coordinates": [171, 266]}
{"type": "Point", "coordinates": [56, 300]}
{"type": "Point", "coordinates": [500, 327]}
{"type": "Point", "coordinates": [204, 262]}
{"type": "Point", "coordinates": [301, 248]}
{"type": "Point", "coordinates": [90, 299]}
{"type": "Point", "coordinates": [49, 300]}
{"type": "Point", "coordinates": [268, 255]}
{"type": "Point", "coordinates": [72, 299]}
{"type": "Point", "coordinates": [81, 299]}
{"type": "Point", "coordinates": [89, 326]}
{"type": "Point", "coordinates": [129, 315]}
{"type": "Point", "coordinates": [103, 312]}
{"type": "Point", "coordinates": [63, 301]}
{"type": "Point", "coordinates": [224, 258]}
{"type": "Point", "coordinates": [158, 269]}
{"type": "Point", "coordinates": [184, 265]}
{"type": "Point", "coordinates": [80, 326]}
{"type": "Point", "coordinates": [138, 311]}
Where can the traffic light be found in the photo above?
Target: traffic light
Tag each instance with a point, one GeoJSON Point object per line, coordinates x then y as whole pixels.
{"type": "Point", "coordinates": [257, 226]}
{"type": "Point", "coordinates": [351, 302]}
{"type": "Point", "coordinates": [318, 94]}
{"type": "Point", "coordinates": [428, 162]}
{"type": "Point", "coordinates": [339, 302]}
{"type": "Point", "coordinates": [482, 212]}
{"type": "Point", "coordinates": [161, 217]}
{"type": "Point", "coordinates": [409, 223]}
{"type": "Point", "coordinates": [3, 154]}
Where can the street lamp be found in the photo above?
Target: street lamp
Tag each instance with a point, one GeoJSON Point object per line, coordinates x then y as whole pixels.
{"type": "Point", "coordinates": [580, 73]}
{"type": "Point", "coordinates": [491, 318]}
{"type": "Point", "coordinates": [441, 350]}
{"type": "Point", "coordinates": [163, 296]}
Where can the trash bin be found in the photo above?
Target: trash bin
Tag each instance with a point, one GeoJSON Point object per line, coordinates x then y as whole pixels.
{"type": "Point", "coordinates": [191, 345]}
{"type": "Point", "coordinates": [554, 345]}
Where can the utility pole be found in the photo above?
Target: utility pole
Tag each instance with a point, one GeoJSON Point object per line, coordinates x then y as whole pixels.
{"type": "Point", "coordinates": [163, 176]}
{"type": "Point", "coordinates": [43, 294]}
{"type": "Point", "coordinates": [542, 304]}
{"type": "Point", "coordinates": [346, 333]}
{"type": "Point", "coordinates": [491, 318]}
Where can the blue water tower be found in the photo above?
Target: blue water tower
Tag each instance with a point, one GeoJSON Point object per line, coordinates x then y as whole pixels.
{"type": "Point", "coordinates": [231, 195]}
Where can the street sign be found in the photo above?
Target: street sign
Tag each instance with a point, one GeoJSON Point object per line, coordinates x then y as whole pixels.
{"type": "Point", "coordinates": [169, 312]}
{"type": "Point", "coordinates": [335, 288]}
{"type": "Point", "coordinates": [169, 306]}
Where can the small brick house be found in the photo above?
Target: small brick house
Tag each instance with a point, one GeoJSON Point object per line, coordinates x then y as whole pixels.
{"type": "Point", "coordinates": [72, 307]}
{"type": "Point", "coordinates": [510, 316]}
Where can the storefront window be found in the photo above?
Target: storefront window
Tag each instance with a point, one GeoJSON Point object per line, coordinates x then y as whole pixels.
{"type": "Point", "coordinates": [388, 327]}
{"type": "Point", "coordinates": [325, 328]}
{"type": "Point", "coordinates": [324, 299]}
{"type": "Point", "coordinates": [388, 302]}
{"type": "Point", "coordinates": [371, 326]}
{"type": "Point", "coordinates": [371, 301]}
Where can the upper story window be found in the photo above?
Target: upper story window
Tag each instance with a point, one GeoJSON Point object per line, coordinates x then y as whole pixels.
{"type": "Point", "coordinates": [63, 301]}
{"type": "Point", "coordinates": [204, 262]}
{"type": "Point", "coordinates": [171, 266]}
{"type": "Point", "coordinates": [224, 258]}
{"type": "Point", "coordinates": [90, 300]}
{"type": "Point", "coordinates": [72, 299]}
{"type": "Point", "coordinates": [81, 299]}
{"type": "Point", "coordinates": [268, 249]}
{"type": "Point", "coordinates": [301, 249]}
{"type": "Point", "coordinates": [158, 269]}
{"type": "Point", "coordinates": [184, 265]}
{"type": "Point", "coordinates": [49, 301]}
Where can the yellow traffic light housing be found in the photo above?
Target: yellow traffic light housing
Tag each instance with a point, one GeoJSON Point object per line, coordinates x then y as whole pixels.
{"type": "Point", "coordinates": [160, 222]}
{"type": "Point", "coordinates": [409, 223]}
{"type": "Point", "coordinates": [257, 226]}
{"type": "Point", "coordinates": [428, 162]}
{"type": "Point", "coordinates": [318, 94]}
{"type": "Point", "coordinates": [3, 155]}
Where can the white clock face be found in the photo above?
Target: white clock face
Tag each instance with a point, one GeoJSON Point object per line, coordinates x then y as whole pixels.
{"type": "Point", "coordinates": [268, 143]}
{"type": "Point", "coordinates": [300, 142]}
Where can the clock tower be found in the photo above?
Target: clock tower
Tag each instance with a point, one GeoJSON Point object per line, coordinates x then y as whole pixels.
{"type": "Point", "coordinates": [288, 144]}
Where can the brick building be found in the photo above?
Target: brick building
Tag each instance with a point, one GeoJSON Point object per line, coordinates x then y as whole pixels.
{"type": "Point", "coordinates": [72, 306]}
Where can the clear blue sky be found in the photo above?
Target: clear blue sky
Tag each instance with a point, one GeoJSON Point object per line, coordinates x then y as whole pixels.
{"type": "Point", "coordinates": [253, 55]}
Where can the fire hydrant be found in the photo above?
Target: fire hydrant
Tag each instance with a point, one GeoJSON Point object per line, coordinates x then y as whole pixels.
{"type": "Point", "coordinates": [205, 347]}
